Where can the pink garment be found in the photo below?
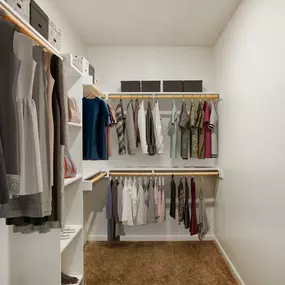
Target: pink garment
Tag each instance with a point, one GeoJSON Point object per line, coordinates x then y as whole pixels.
{"type": "Point", "coordinates": [161, 218]}
{"type": "Point", "coordinates": [208, 143]}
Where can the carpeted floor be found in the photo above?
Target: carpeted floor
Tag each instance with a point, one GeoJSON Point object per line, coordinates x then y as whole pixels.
{"type": "Point", "coordinates": [155, 263]}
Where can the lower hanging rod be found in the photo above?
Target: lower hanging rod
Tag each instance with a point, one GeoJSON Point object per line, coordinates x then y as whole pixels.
{"type": "Point", "coordinates": [206, 173]}
{"type": "Point", "coordinates": [164, 96]}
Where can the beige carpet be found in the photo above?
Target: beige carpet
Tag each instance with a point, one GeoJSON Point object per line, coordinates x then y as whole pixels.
{"type": "Point", "coordinates": [155, 263]}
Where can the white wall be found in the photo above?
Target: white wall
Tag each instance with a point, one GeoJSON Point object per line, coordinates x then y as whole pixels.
{"type": "Point", "coordinates": [146, 63]}
{"type": "Point", "coordinates": [249, 220]}
{"type": "Point", "coordinates": [70, 40]}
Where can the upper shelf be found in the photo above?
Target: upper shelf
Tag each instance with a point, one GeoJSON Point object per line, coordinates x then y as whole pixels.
{"type": "Point", "coordinates": [12, 16]}
{"type": "Point", "coordinates": [70, 68]}
{"type": "Point", "coordinates": [89, 87]}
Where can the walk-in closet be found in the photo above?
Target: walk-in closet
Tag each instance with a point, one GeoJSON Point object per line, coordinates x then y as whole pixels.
{"type": "Point", "coordinates": [141, 142]}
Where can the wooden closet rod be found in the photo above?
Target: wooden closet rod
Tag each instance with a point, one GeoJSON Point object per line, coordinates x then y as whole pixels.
{"type": "Point", "coordinates": [165, 96]}
{"type": "Point", "coordinates": [6, 14]}
{"type": "Point", "coordinates": [206, 173]}
{"type": "Point", "coordinates": [98, 177]}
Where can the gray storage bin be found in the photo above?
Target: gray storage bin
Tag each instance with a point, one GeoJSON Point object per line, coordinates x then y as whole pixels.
{"type": "Point", "coordinates": [192, 86]}
{"type": "Point", "coordinates": [172, 86]}
{"type": "Point", "coordinates": [92, 72]}
{"type": "Point", "coordinates": [130, 86]}
{"type": "Point", "coordinates": [39, 19]}
{"type": "Point", "coordinates": [54, 35]}
{"type": "Point", "coordinates": [150, 86]}
{"type": "Point", "coordinates": [22, 7]}
{"type": "Point", "coordinates": [82, 64]}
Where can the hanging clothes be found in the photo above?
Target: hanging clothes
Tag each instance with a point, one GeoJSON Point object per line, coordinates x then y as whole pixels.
{"type": "Point", "coordinates": [150, 134]}
{"type": "Point", "coordinates": [111, 122]}
{"type": "Point", "coordinates": [193, 221]}
{"type": "Point", "coordinates": [194, 145]}
{"type": "Point", "coordinates": [213, 126]}
{"type": "Point", "coordinates": [141, 204]}
{"type": "Point", "coordinates": [95, 121]}
{"type": "Point", "coordinates": [183, 125]}
{"type": "Point", "coordinates": [142, 128]}
{"type": "Point", "coordinates": [201, 130]}
{"type": "Point", "coordinates": [207, 112]}
{"type": "Point", "coordinates": [130, 129]}
{"type": "Point", "coordinates": [151, 204]}
{"type": "Point", "coordinates": [30, 154]}
{"type": "Point", "coordinates": [173, 198]}
{"type": "Point", "coordinates": [127, 215]}
{"type": "Point", "coordinates": [203, 222]}
{"type": "Point", "coordinates": [50, 85]}
{"type": "Point", "coordinates": [9, 120]}
{"type": "Point", "coordinates": [172, 131]}
{"type": "Point", "coordinates": [146, 200]}
{"type": "Point", "coordinates": [120, 200]}
{"type": "Point", "coordinates": [134, 199]}
{"type": "Point", "coordinates": [161, 201]}
{"type": "Point", "coordinates": [120, 127]}
{"type": "Point", "coordinates": [109, 214]}
{"type": "Point", "coordinates": [186, 206]}
{"type": "Point", "coordinates": [181, 201]}
{"type": "Point", "coordinates": [156, 198]}
{"type": "Point", "coordinates": [158, 129]}
{"type": "Point", "coordinates": [136, 121]}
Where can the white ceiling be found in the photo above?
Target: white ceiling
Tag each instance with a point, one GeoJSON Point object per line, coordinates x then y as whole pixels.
{"type": "Point", "coordinates": [149, 22]}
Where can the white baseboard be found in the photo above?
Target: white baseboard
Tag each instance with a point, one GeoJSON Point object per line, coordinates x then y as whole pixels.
{"type": "Point", "coordinates": [228, 261]}
{"type": "Point", "coordinates": [152, 238]}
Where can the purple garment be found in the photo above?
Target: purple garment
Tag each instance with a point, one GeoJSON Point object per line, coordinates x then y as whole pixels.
{"type": "Point", "coordinates": [208, 143]}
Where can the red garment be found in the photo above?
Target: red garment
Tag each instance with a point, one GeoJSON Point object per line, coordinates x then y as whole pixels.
{"type": "Point", "coordinates": [193, 221]}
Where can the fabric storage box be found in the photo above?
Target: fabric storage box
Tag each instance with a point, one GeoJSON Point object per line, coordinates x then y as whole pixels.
{"type": "Point", "coordinates": [77, 63]}
{"type": "Point", "coordinates": [150, 86]}
{"type": "Point", "coordinates": [92, 72]}
{"type": "Point", "coordinates": [173, 86]}
{"type": "Point", "coordinates": [22, 7]}
{"type": "Point", "coordinates": [192, 86]}
{"type": "Point", "coordinates": [130, 86]}
{"type": "Point", "coordinates": [39, 19]}
{"type": "Point", "coordinates": [54, 35]}
{"type": "Point", "coordinates": [82, 64]}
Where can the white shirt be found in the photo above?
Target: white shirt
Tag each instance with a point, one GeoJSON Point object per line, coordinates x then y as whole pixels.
{"type": "Point", "coordinates": [134, 199]}
{"type": "Point", "coordinates": [142, 128]}
{"type": "Point", "coordinates": [158, 129]}
{"type": "Point", "coordinates": [127, 215]}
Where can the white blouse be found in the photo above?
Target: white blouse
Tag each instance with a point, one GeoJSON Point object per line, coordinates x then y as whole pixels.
{"type": "Point", "coordinates": [142, 128]}
{"type": "Point", "coordinates": [127, 215]}
{"type": "Point", "coordinates": [158, 129]}
{"type": "Point", "coordinates": [141, 205]}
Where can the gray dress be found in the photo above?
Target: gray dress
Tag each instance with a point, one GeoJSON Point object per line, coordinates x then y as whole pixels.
{"type": "Point", "coordinates": [151, 204]}
{"type": "Point", "coordinates": [9, 123]}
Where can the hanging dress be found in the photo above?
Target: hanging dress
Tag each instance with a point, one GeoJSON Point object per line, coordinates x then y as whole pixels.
{"type": "Point", "coordinates": [151, 205]}
{"type": "Point", "coordinates": [146, 200]}
{"type": "Point", "coordinates": [172, 198]}
{"type": "Point", "coordinates": [142, 128]}
{"type": "Point", "coordinates": [161, 199]}
{"type": "Point", "coordinates": [183, 125]}
{"type": "Point", "coordinates": [127, 215]}
{"type": "Point", "coordinates": [194, 143]}
{"type": "Point", "coordinates": [208, 144]}
{"type": "Point", "coordinates": [158, 129]}
{"type": "Point", "coordinates": [9, 121]}
{"type": "Point", "coordinates": [136, 121]}
{"type": "Point", "coordinates": [31, 174]}
{"type": "Point", "coordinates": [150, 134]}
{"type": "Point", "coordinates": [213, 126]}
{"type": "Point", "coordinates": [203, 222]}
{"type": "Point", "coordinates": [193, 221]}
{"type": "Point", "coordinates": [134, 199]}
{"type": "Point", "coordinates": [120, 127]}
{"type": "Point", "coordinates": [172, 131]}
{"type": "Point", "coordinates": [141, 204]}
{"type": "Point", "coordinates": [201, 130]}
{"type": "Point", "coordinates": [130, 129]}
{"type": "Point", "coordinates": [186, 207]}
{"type": "Point", "coordinates": [181, 201]}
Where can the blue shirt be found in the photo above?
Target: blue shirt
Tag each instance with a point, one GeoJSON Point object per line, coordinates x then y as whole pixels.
{"type": "Point", "coordinates": [95, 121]}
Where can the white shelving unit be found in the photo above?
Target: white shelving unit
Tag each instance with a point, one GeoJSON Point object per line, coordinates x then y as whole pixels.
{"type": "Point", "coordinates": [71, 249]}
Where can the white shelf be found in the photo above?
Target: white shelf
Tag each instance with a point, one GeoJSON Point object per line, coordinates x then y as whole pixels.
{"type": "Point", "coordinates": [22, 23]}
{"type": "Point", "coordinates": [74, 125]}
{"type": "Point", "coordinates": [65, 242]}
{"type": "Point", "coordinates": [69, 68]}
{"type": "Point", "coordinates": [68, 181]}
